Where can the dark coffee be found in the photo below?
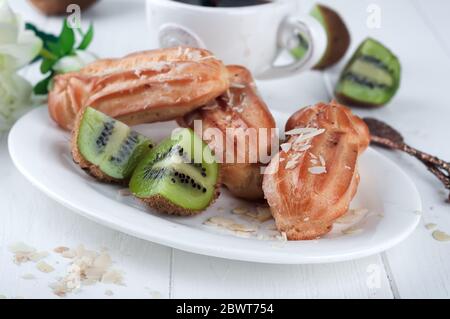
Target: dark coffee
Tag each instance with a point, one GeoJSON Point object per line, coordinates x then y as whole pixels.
{"type": "Point", "coordinates": [224, 3]}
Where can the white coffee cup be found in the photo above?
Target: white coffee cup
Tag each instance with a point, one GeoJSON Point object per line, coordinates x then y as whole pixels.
{"type": "Point", "coordinates": [252, 36]}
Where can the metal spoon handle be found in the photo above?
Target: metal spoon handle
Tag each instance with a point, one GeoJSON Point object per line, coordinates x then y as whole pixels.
{"type": "Point", "coordinates": [438, 167]}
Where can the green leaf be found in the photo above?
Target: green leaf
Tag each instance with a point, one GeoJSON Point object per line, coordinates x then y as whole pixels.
{"type": "Point", "coordinates": [87, 39]}
{"type": "Point", "coordinates": [47, 65]}
{"type": "Point", "coordinates": [44, 36]}
{"type": "Point", "coordinates": [54, 48]}
{"type": "Point", "coordinates": [41, 88]}
{"type": "Point", "coordinates": [66, 40]}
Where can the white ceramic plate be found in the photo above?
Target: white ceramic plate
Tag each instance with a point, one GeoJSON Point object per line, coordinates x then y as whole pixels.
{"type": "Point", "coordinates": [40, 150]}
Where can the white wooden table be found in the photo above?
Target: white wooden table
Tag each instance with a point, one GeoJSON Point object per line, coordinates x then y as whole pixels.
{"type": "Point", "coordinates": [419, 267]}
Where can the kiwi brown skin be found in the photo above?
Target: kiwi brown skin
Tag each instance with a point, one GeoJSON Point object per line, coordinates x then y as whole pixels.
{"type": "Point", "coordinates": [163, 205]}
{"type": "Point", "coordinates": [355, 103]}
{"type": "Point", "coordinates": [338, 38]}
{"type": "Point", "coordinates": [88, 167]}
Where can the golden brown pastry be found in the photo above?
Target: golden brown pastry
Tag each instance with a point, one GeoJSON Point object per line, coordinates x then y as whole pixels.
{"type": "Point", "coordinates": [311, 182]}
{"type": "Point", "coordinates": [144, 87]}
{"type": "Point", "coordinates": [240, 108]}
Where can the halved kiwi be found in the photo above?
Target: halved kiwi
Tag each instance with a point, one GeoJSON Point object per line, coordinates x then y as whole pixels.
{"type": "Point", "coordinates": [371, 78]}
{"type": "Point", "coordinates": [180, 176]}
{"type": "Point", "coordinates": [106, 148]}
{"type": "Point", "coordinates": [338, 37]}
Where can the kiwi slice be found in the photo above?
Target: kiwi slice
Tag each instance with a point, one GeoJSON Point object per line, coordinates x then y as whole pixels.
{"type": "Point", "coordinates": [371, 78]}
{"type": "Point", "coordinates": [106, 148]}
{"type": "Point", "coordinates": [338, 37]}
{"type": "Point", "coordinates": [180, 176]}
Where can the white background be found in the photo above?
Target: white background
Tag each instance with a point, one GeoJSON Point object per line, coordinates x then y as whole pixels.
{"type": "Point", "coordinates": [417, 31]}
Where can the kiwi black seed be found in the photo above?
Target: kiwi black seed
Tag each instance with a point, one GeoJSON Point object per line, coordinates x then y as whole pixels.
{"type": "Point", "coordinates": [185, 187]}
{"type": "Point", "coordinates": [103, 138]}
{"type": "Point", "coordinates": [371, 78]}
{"type": "Point", "coordinates": [107, 148]}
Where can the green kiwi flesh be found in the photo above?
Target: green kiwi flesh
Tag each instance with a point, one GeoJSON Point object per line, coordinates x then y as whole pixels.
{"type": "Point", "coordinates": [338, 37]}
{"type": "Point", "coordinates": [110, 145]}
{"type": "Point", "coordinates": [371, 78]}
{"type": "Point", "coordinates": [179, 176]}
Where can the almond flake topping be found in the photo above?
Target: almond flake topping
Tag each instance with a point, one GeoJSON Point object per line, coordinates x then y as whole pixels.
{"type": "Point", "coordinates": [441, 236]}
{"type": "Point", "coordinates": [309, 135]}
{"type": "Point", "coordinates": [322, 160]}
{"type": "Point", "coordinates": [86, 268]}
{"type": "Point", "coordinates": [240, 210]}
{"type": "Point", "coordinates": [352, 231]}
{"type": "Point", "coordinates": [317, 170]}
{"type": "Point", "coordinates": [44, 267]}
{"type": "Point", "coordinates": [228, 224]}
{"type": "Point", "coordinates": [263, 214]}
{"type": "Point", "coordinates": [24, 253]}
{"type": "Point", "coordinates": [237, 86]}
{"type": "Point", "coordinates": [301, 130]}
{"type": "Point", "coordinates": [286, 147]}
{"type": "Point", "coordinates": [291, 164]}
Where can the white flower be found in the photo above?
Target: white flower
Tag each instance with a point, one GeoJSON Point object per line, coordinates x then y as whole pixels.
{"type": "Point", "coordinates": [17, 48]}
{"type": "Point", "coordinates": [17, 45]}
{"type": "Point", "coordinates": [15, 94]}
{"type": "Point", "coordinates": [74, 62]}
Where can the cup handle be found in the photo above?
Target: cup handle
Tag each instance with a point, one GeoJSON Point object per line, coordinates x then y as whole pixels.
{"type": "Point", "coordinates": [288, 38]}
